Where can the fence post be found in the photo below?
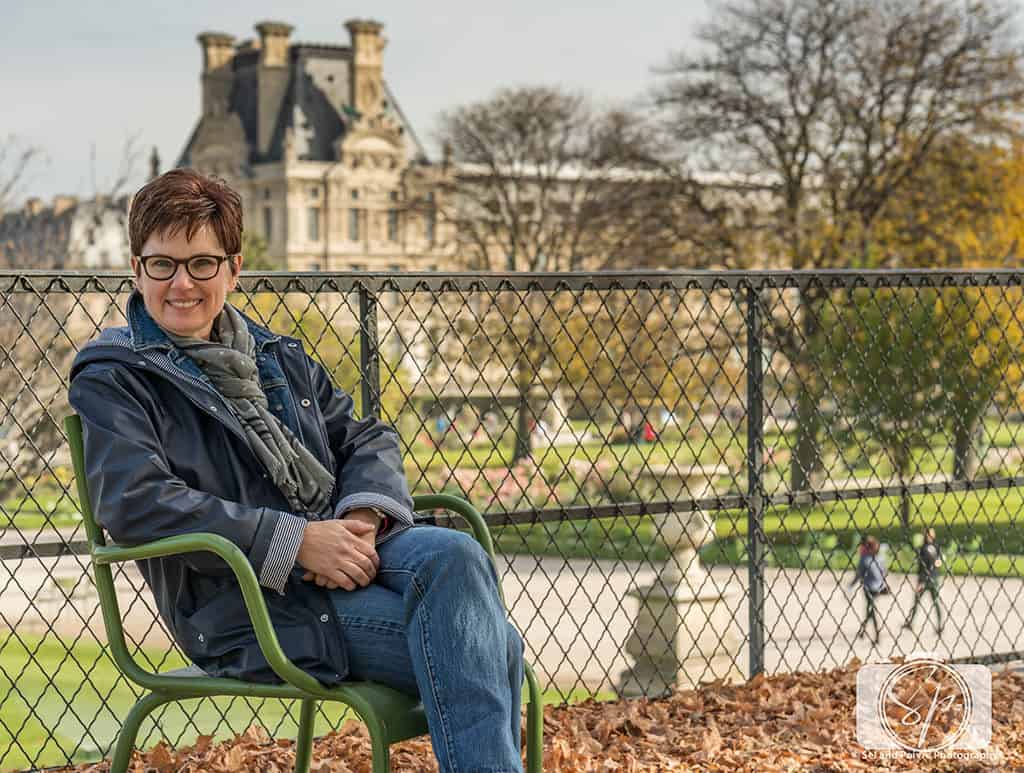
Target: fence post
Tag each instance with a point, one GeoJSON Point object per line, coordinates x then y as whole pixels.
{"type": "Point", "coordinates": [369, 352]}
{"type": "Point", "coordinates": [755, 481]}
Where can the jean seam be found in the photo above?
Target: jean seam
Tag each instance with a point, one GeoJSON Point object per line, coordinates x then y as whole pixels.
{"type": "Point", "coordinates": [429, 661]}
{"type": "Point", "coordinates": [379, 627]}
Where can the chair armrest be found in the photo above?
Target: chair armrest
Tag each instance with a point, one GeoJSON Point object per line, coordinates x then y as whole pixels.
{"type": "Point", "coordinates": [476, 522]}
{"type": "Point", "coordinates": [251, 592]}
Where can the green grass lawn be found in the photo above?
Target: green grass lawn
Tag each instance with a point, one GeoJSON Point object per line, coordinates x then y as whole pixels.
{"type": "Point", "coordinates": [38, 726]}
{"type": "Point", "coordinates": [962, 517]}
{"type": "Point", "coordinates": [47, 504]}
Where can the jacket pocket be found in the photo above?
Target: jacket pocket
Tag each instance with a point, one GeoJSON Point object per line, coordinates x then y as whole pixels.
{"type": "Point", "coordinates": [217, 627]}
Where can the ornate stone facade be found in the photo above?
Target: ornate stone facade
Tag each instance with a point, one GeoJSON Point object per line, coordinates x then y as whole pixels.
{"type": "Point", "coordinates": [331, 173]}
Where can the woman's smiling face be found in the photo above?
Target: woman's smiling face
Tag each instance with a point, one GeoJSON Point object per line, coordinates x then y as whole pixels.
{"type": "Point", "coordinates": [181, 304]}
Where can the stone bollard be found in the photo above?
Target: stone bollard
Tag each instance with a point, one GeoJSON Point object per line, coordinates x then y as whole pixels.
{"type": "Point", "coordinates": [684, 629]}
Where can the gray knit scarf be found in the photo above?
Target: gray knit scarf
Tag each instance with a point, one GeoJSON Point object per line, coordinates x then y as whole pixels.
{"type": "Point", "coordinates": [231, 365]}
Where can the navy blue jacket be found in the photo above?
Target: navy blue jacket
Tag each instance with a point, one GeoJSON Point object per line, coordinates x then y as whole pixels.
{"type": "Point", "coordinates": [165, 455]}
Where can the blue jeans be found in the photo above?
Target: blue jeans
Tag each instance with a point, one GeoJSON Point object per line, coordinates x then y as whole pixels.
{"type": "Point", "coordinates": [432, 625]}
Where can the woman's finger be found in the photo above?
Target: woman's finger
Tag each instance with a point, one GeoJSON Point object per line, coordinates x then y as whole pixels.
{"type": "Point", "coordinates": [358, 575]}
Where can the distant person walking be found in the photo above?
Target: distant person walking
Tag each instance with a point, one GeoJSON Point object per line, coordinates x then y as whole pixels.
{"type": "Point", "coordinates": [871, 576]}
{"type": "Point", "coordinates": [929, 562]}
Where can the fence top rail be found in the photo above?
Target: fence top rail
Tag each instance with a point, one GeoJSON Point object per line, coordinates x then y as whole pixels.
{"type": "Point", "coordinates": [79, 281]}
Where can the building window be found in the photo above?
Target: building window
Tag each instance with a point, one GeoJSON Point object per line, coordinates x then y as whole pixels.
{"type": "Point", "coordinates": [314, 192]}
{"type": "Point", "coordinates": [355, 194]}
{"type": "Point", "coordinates": [357, 267]}
{"type": "Point", "coordinates": [268, 223]}
{"type": "Point", "coordinates": [313, 223]}
{"type": "Point", "coordinates": [392, 225]}
{"type": "Point", "coordinates": [394, 268]}
{"type": "Point", "coordinates": [394, 195]}
{"type": "Point", "coordinates": [266, 193]}
{"type": "Point", "coordinates": [353, 225]}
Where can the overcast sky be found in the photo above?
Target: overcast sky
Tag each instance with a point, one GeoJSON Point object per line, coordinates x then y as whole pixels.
{"type": "Point", "coordinates": [78, 73]}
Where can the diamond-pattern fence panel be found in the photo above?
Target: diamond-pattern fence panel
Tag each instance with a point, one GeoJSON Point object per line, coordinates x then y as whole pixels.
{"type": "Point", "coordinates": [678, 469]}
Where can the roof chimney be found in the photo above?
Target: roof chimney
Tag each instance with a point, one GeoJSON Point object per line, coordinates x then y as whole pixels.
{"type": "Point", "coordinates": [62, 204]}
{"type": "Point", "coordinates": [218, 50]}
{"type": "Point", "coordinates": [272, 79]}
{"type": "Point", "coordinates": [274, 43]}
{"type": "Point", "coordinates": [368, 65]}
{"type": "Point", "coordinates": [154, 164]}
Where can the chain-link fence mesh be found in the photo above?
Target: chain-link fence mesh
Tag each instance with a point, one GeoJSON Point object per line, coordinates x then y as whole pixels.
{"type": "Point", "coordinates": [678, 470]}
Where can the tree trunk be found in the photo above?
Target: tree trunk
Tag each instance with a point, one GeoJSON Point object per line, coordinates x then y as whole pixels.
{"type": "Point", "coordinates": [965, 453]}
{"type": "Point", "coordinates": [806, 459]}
{"type": "Point", "coordinates": [523, 445]}
{"type": "Point", "coordinates": [902, 461]}
{"type": "Point", "coordinates": [523, 440]}
{"type": "Point", "coordinates": [905, 510]}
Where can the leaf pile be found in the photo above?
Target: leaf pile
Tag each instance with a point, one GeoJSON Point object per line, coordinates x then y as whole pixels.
{"type": "Point", "coordinates": [788, 722]}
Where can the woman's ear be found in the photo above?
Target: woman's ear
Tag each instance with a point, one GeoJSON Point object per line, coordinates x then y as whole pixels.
{"type": "Point", "coordinates": [236, 269]}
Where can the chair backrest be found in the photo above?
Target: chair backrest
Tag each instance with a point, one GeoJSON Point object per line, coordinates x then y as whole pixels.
{"type": "Point", "coordinates": [102, 574]}
{"type": "Point", "coordinates": [73, 427]}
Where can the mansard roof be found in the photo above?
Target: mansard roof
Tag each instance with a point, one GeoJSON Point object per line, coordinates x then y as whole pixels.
{"type": "Point", "coordinates": [315, 109]}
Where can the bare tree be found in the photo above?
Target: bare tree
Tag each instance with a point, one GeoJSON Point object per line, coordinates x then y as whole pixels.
{"type": "Point", "coordinates": [824, 110]}
{"type": "Point", "coordinates": [17, 158]}
{"type": "Point", "coordinates": [41, 326]}
{"type": "Point", "coordinates": [544, 181]}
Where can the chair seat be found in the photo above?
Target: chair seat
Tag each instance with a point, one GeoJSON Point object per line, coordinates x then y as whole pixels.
{"type": "Point", "coordinates": [402, 715]}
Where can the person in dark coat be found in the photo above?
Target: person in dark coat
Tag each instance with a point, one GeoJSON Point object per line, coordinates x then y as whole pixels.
{"type": "Point", "coordinates": [929, 563]}
{"type": "Point", "coordinates": [198, 419]}
{"type": "Point", "coordinates": [871, 576]}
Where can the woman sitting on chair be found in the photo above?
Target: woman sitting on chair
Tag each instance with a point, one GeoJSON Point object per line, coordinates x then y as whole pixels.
{"type": "Point", "coordinates": [197, 419]}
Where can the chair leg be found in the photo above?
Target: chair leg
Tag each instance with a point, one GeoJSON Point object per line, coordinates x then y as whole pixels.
{"type": "Point", "coordinates": [380, 747]}
{"type": "Point", "coordinates": [534, 724]}
{"type": "Point", "coordinates": [304, 740]}
{"type": "Point", "coordinates": [130, 729]}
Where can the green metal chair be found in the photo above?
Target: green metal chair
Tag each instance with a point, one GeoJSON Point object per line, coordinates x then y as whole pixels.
{"type": "Point", "coordinates": [390, 716]}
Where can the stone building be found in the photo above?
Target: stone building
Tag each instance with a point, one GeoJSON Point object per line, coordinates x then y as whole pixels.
{"type": "Point", "coordinates": [68, 233]}
{"type": "Point", "coordinates": [312, 137]}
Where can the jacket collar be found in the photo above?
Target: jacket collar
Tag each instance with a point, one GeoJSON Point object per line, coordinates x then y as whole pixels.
{"type": "Point", "coordinates": [146, 334]}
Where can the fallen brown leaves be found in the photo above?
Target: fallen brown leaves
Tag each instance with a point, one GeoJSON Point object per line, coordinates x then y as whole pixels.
{"type": "Point", "coordinates": [790, 722]}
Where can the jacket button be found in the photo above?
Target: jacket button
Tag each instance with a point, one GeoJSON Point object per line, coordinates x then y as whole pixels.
{"type": "Point", "coordinates": [292, 345]}
{"type": "Point", "coordinates": [213, 408]}
{"type": "Point", "coordinates": [324, 618]}
{"type": "Point", "coordinates": [202, 638]}
{"type": "Point", "coordinates": [141, 362]}
{"type": "Point", "coordinates": [305, 402]}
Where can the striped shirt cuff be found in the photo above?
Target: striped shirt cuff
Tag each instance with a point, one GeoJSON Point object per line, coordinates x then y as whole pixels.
{"type": "Point", "coordinates": [401, 516]}
{"type": "Point", "coordinates": [284, 547]}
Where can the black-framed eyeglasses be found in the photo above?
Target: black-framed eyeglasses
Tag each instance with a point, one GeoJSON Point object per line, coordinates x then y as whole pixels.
{"type": "Point", "coordinates": [199, 267]}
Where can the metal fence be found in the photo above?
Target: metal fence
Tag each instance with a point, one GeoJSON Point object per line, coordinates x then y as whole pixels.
{"type": "Point", "coordinates": [678, 469]}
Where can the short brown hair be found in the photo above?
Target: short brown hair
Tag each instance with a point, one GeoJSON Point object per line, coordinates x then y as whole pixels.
{"type": "Point", "coordinates": [184, 198]}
